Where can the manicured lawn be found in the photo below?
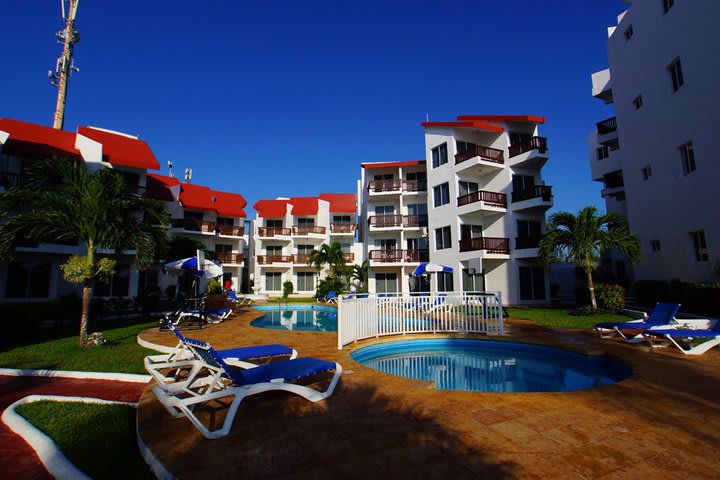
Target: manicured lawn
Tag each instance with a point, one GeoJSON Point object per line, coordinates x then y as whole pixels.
{"type": "Point", "coordinates": [98, 439]}
{"type": "Point", "coordinates": [58, 350]}
{"type": "Point", "coordinates": [560, 317]}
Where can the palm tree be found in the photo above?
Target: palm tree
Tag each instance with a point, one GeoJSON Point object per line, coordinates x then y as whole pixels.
{"type": "Point", "coordinates": [583, 238]}
{"type": "Point", "coordinates": [331, 255]}
{"type": "Point", "coordinates": [360, 275]}
{"type": "Point", "coordinates": [63, 200]}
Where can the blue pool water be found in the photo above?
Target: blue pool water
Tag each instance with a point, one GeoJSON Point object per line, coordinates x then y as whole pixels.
{"type": "Point", "coordinates": [308, 318]}
{"type": "Point", "coordinates": [492, 366]}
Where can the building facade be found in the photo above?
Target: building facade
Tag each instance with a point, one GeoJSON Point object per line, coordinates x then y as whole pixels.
{"type": "Point", "coordinates": [655, 156]}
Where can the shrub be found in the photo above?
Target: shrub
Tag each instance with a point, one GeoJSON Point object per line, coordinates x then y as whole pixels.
{"type": "Point", "coordinates": [287, 289]}
{"type": "Point", "coordinates": [585, 311]}
{"type": "Point", "coordinates": [214, 287]}
{"type": "Point", "coordinates": [610, 297]}
{"type": "Point", "coordinates": [330, 284]}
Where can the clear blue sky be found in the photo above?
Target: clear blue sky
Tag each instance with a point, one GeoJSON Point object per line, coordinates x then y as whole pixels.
{"type": "Point", "coordinates": [287, 98]}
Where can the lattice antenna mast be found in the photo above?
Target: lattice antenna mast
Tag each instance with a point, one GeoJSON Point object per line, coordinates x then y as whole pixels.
{"type": "Point", "coordinates": [65, 66]}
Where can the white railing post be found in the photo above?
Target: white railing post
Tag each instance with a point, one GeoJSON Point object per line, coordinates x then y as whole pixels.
{"type": "Point", "coordinates": [340, 323]}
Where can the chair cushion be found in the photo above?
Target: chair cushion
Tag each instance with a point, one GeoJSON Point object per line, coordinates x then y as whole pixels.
{"type": "Point", "coordinates": [287, 370]}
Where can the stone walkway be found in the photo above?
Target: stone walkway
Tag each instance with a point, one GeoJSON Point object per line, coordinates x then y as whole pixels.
{"type": "Point", "coordinates": [17, 459]}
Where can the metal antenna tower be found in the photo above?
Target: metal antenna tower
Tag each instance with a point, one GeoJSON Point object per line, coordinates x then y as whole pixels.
{"type": "Point", "coordinates": [65, 66]}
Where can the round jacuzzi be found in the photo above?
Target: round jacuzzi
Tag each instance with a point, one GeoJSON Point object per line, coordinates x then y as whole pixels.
{"type": "Point", "coordinates": [492, 366]}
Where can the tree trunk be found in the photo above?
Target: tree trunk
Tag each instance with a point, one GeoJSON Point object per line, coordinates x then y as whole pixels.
{"type": "Point", "coordinates": [591, 286]}
{"type": "Point", "coordinates": [85, 315]}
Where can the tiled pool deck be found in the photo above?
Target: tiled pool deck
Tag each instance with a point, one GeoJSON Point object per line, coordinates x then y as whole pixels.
{"type": "Point", "coordinates": [663, 422]}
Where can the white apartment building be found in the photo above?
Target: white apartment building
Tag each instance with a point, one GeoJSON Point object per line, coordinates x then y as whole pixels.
{"type": "Point", "coordinates": [655, 156]}
{"type": "Point", "coordinates": [394, 224]}
{"type": "Point", "coordinates": [287, 230]}
{"type": "Point", "coordinates": [486, 205]}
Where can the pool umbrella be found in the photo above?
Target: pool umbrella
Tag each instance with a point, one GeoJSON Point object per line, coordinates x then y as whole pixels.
{"type": "Point", "coordinates": [209, 269]}
{"type": "Point", "coordinates": [424, 268]}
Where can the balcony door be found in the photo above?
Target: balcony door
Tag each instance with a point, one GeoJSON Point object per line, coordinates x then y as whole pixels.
{"type": "Point", "coordinates": [517, 138]}
{"type": "Point", "coordinates": [273, 223]}
{"type": "Point", "coordinates": [419, 243]}
{"type": "Point", "coordinates": [468, 232]}
{"type": "Point", "coordinates": [384, 210]}
{"type": "Point", "coordinates": [532, 283]}
{"type": "Point", "coordinates": [386, 243]}
{"type": "Point", "coordinates": [306, 222]}
{"type": "Point", "coordinates": [342, 219]}
{"type": "Point", "coordinates": [528, 234]}
{"type": "Point", "coordinates": [466, 188]}
{"type": "Point", "coordinates": [273, 250]}
{"type": "Point", "coordinates": [523, 183]}
{"type": "Point", "coordinates": [386, 282]}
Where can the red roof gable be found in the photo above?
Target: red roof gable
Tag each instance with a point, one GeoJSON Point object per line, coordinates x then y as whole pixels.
{"type": "Point", "coordinates": [340, 202]}
{"type": "Point", "coordinates": [502, 118]}
{"type": "Point", "coordinates": [304, 205]}
{"type": "Point", "coordinates": [122, 150]}
{"type": "Point", "coordinates": [393, 164]}
{"type": "Point", "coordinates": [36, 140]}
{"type": "Point", "coordinates": [196, 197]}
{"type": "Point", "coordinates": [271, 208]}
{"type": "Point", "coordinates": [230, 204]}
{"type": "Point", "coordinates": [158, 187]}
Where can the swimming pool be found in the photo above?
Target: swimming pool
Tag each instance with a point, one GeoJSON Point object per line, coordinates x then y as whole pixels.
{"type": "Point", "coordinates": [308, 318]}
{"type": "Point", "coordinates": [492, 366]}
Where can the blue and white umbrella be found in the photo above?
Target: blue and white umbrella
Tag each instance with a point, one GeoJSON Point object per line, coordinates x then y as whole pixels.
{"type": "Point", "coordinates": [209, 269]}
{"type": "Point", "coordinates": [424, 268]}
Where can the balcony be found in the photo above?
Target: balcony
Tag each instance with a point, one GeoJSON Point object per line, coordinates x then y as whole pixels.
{"type": "Point", "coordinates": [607, 132]}
{"type": "Point", "coordinates": [531, 153]}
{"type": "Point", "coordinates": [342, 228]}
{"type": "Point", "coordinates": [301, 259]}
{"type": "Point", "coordinates": [414, 186]}
{"type": "Point", "coordinates": [414, 221]}
{"type": "Point", "coordinates": [231, 230]}
{"type": "Point", "coordinates": [270, 232]}
{"type": "Point", "coordinates": [602, 86]}
{"type": "Point", "coordinates": [538, 197]}
{"type": "Point", "coordinates": [349, 257]}
{"type": "Point", "coordinates": [385, 186]}
{"type": "Point", "coordinates": [480, 160]}
{"type": "Point", "coordinates": [488, 244]}
{"type": "Point", "coordinates": [399, 256]}
{"type": "Point", "coordinates": [194, 225]}
{"type": "Point", "coordinates": [385, 221]}
{"type": "Point", "coordinates": [535, 143]}
{"type": "Point", "coordinates": [305, 230]}
{"type": "Point", "coordinates": [229, 257]}
{"type": "Point", "coordinates": [274, 259]}
{"type": "Point", "coordinates": [490, 199]}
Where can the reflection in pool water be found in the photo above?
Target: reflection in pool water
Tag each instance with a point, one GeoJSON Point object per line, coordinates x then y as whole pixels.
{"type": "Point", "coordinates": [309, 318]}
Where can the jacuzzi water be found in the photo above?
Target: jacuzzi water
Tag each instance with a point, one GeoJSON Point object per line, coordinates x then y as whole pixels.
{"type": "Point", "coordinates": [492, 366]}
{"type": "Point", "coordinates": [309, 318]}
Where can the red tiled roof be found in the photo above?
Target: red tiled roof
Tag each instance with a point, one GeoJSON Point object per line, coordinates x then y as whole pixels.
{"type": "Point", "coordinates": [36, 140]}
{"type": "Point", "coordinates": [488, 127]}
{"type": "Point", "coordinates": [196, 197]}
{"type": "Point", "coordinates": [158, 187]}
{"type": "Point", "coordinates": [502, 118]}
{"type": "Point", "coordinates": [122, 150]}
{"type": "Point", "coordinates": [392, 164]}
{"type": "Point", "coordinates": [304, 205]}
{"type": "Point", "coordinates": [230, 204]}
{"type": "Point", "coordinates": [271, 208]}
{"type": "Point", "coordinates": [340, 202]}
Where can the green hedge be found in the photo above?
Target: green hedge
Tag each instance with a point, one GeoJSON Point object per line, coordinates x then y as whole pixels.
{"type": "Point", "coordinates": [699, 298]}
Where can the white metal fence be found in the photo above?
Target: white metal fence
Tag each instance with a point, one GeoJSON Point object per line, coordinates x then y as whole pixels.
{"type": "Point", "coordinates": [373, 315]}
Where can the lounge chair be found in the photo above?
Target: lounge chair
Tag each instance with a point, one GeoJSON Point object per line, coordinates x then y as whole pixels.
{"type": "Point", "coordinates": [663, 315]}
{"type": "Point", "coordinates": [224, 381]}
{"type": "Point", "coordinates": [232, 297]}
{"type": "Point", "coordinates": [183, 361]}
{"type": "Point", "coordinates": [681, 338]}
{"type": "Point", "coordinates": [329, 298]}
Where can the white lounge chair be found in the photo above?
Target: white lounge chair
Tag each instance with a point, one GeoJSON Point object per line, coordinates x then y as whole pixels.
{"type": "Point", "coordinates": [682, 338]}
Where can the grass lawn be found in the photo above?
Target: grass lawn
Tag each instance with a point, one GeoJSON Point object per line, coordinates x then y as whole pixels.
{"type": "Point", "coordinates": [58, 350]}
{"type": "Point", "coordinates": [98, 439]}
{"type": "Point", "coordinates": [560, 317]}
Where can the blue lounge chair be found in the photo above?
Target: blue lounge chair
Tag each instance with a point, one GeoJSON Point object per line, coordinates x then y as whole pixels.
{"type": "Point", "coordinates": [183, 362]}
{"type": "Point", "coordinates": [662, 315]}
{"type": "Point", "coordinates": [681, 338]}
{"type": "Point", "coordinates": [227, 381]}
{"type": "Point", "coordinates": [232, 296]}
{"type": "Point", "coordinates": [329, 298]}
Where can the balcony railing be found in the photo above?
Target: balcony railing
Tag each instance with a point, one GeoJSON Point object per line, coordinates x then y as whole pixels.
{"type": "Point", "coordinates": [231, 230]}
{"type": "Point", "coordinates": [489, 244]}
{"type": "Point", "coordinates": [391, 185]}
{"type": "Point", "coordinates": [399, 256]}
{"type": "Point", "coordinates": [410, 221]}
{"type": "Point", "coordinates": [535, 143]}
{"type": "Point", "coordinates": [385, 221]}
{"type": "Point", "coordinates": [527, 242]}
{"type": "Point", "coordinates": [274, 231]}
{"type": "Point", "coordinates": [270, 259]}
{"type": "Point", "coordinates": [486, 153]}
{"type": "Point", "coordinates": [414, 186]}
{"type": "Point", "coordinates": [9, 179]}
{"type": "Point", "coordinates": [539, 191]}
{"type": "Point", "coordinates": [229, 257]}
{"type": "Point", "coordinates": [349, 257]}
{"type": "Point", "coordinates": [493, 199]}
{"type": "Point", "coordinates": [301, 258]}
{"type": "Point", "coordinates": [342, 228]}
{"type": "Point", "coordinates": [194, 225]}
{"type": "Point", "coordinates": [308, 229]}
{"type": "Point", "coordinates": [607, 126]}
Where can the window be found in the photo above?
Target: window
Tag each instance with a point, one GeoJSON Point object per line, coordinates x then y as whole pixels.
{"type": "Point", "coordinates": [441, 194]}
{"type": "Point", "coordinates": [417, 209]}
{"type": "Point", "coordinates": [655, 246]}
{"type": "Point", "coordinates": [27, 281]}
{"type": "Point", "coordinates": [305, 281]}
{"type": "Point", "coordinates": [517, 138]}
{"type": "Point", "coordinates": [699, 246]}
{"type": "Point", "coordinates": [386, 282]}
{"type": "Point", "coordinates": [468, 231]}
{"type": "Point", "coordinates": [223, 248]}
{"type": "Point", "coordinates": [193, 215]}
{"type": "Point", "coordinates": [523, 183]}
{"type": "Point", "coordinates": [306, 222]}
{"type": "Point", "coordinates": [420, 179]}
{"type": "Point", "coordinates": [676, 74]}
{"type": "Point", "coordinates": [273, 281]}
{"type": "Point", "coordinates": [342, 219]}
{"type": "Point", "coordinates": [384, 210]}
{"type": "Point", "coordinates": [225, 221]}
{"type": "Point", "coordinates": [628, 33]}
{"type": "Point", "coordinates": [667, 5]}
{"type": "Point", "coordinates": [386, 243]}
{"type": "Point", "coordinates": [687, 154]}
{"type": "Point", "coordinates": [443, 238]}
{"type": "Point", "coordinates": [439, 155]}
{"type": "Point", "coordinates": [273, 250]}
{"type": "Point", "coordinates": [532, 283]}
{"type": "Point", "coordinates": [466, 188]}
{"type": "Point", "coordinates": [304, 249]}
{"type": "Point", "coordinates": [646, 172]}
{"type": "Point", "coordinates": [274, 223]}
{"type": "Point", "coordinates": [445, 281]}
{"type": "Point", "coordinates": [637, 103]}
{"type": "Point", "coordinates": [463, 146]}
{"type": "Point", "coordinates": [472, 280]}
{"type": "Point", "coordinates": [118, 286]}
{"type": "Point", "coordinates": [602, 152]}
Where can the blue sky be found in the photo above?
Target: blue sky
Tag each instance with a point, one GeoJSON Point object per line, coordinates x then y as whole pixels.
{"type": "Point", "coordinates": [287, 98]}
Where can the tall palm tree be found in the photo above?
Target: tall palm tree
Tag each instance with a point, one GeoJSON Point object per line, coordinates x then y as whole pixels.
{"type": "Point", "coordinates": [63, 200]}
{"type": "Point", "coordinates": [331, 255]}
{"type": "Point", "coordinates": [360, 274]}
{"type": "Point", "coordinates": [583, 238]}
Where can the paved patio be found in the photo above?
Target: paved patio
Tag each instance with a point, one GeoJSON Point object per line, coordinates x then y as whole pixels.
{"type": "Point", "coordinates": [663, 422]}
